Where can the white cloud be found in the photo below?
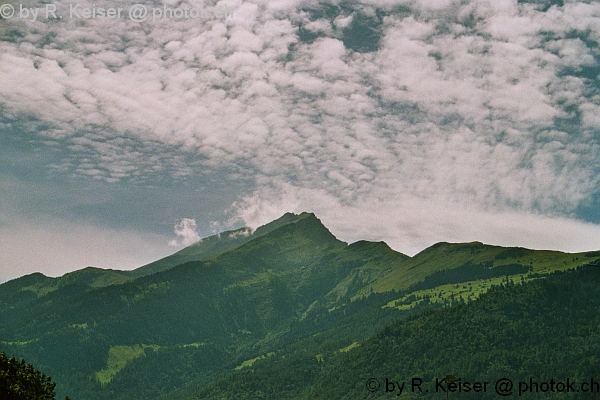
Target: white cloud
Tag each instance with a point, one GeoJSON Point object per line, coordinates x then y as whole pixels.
{"type": "Point", "coordinates": [186, 229]}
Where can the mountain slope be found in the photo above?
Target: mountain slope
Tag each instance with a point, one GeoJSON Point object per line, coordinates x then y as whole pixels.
{"type": "Point", "coordinates": [206, 314]}
{"type": "Point", "coordinates": [291, 297]}
{"type": "Point", "coordinates": [32, 286]}
{"type": "Point", "coordinates": [543, 330]}
{"type": "Point", "coordinates": [448, 256]}
{"type": "Point", "coordinates": [216, 244]}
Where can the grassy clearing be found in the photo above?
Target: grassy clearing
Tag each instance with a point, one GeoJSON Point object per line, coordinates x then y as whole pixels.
{"type": "Point", "coordinates": [41, 289]}
{"type": "Point", "coordinates": [258, 279]}
{"type": "Point", "coordinates": [24, 343]}
{"type": "Point", "coordinates": [348, 348]}
{"type": "Point", "coordinates": [541, 263]}
{"type": "Point", "coordinates": [249, 363]}
{"type": "Point", "coordinates": [160, 287]}
{"type": "Point", "coordinates": [196, 345]}
{"type": "Point", "coordinates": [446, 294]}
{"type": "Point", "coordinates": [118, 357]}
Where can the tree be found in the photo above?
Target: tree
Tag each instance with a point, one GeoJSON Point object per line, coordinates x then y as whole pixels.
{"type": "Point", "coordinates": [20, 381]}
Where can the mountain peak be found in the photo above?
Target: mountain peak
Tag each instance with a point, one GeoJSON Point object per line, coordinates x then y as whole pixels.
{"type": "Point", "coordinates": [375, 250]}
{"type": "Point", "coordinates": [215, 244]}
{"type": "Point", "coordinates": [446, 247]}
{"type": "Point", "coordinates": [307, 223]}
{"type": "Point", "coordinates": [287, 218]}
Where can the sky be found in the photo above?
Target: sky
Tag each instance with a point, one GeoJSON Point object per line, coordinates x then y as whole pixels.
{"type": "Point", "coordinates": [408, 121]}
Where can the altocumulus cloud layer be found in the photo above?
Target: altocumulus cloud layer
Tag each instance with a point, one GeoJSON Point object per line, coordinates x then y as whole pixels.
{"type": "Point", "coordinates": [410, 121]}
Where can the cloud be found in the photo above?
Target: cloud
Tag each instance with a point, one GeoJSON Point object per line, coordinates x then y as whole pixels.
{"type": "Point", "coordinates": [186, 230]}
{"type": "Point", "coordinates": [481, 107]}
{"type": "Point", "coordinates": [241, 233]}
{"type": "Point", "coordinates": [412, 224]}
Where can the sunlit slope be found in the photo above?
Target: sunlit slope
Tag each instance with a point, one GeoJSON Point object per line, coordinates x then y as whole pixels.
{"type": "Point", "coordinates": [448, 256]}
{"type": "Point", "coordinates": [31, 287]}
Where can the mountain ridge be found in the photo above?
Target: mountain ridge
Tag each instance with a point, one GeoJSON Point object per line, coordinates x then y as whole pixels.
{"type": "Point", "coordinates": [193, 253]}
{"type": "Point", "coordinates": [216, 244]}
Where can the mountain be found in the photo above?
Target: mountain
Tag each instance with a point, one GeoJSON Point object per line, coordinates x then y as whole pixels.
{"type": "Point", "coordinates": [449, 256]}
{"type": "Point", "coordinates": [287, 299]}
{"type": "Point", "coordinates": [38, 284]}
{"type": "Point", "coordinates": [216, 244]}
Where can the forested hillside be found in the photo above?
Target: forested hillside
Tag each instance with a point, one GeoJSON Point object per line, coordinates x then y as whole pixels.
{"type": "Point", "coordinates": [542, 330]}
{"type": "Point", "coordinates": [280, 312]}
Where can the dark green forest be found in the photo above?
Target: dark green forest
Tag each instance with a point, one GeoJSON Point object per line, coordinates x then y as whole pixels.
{"type": "Point", "coordinates": [543, 330]}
